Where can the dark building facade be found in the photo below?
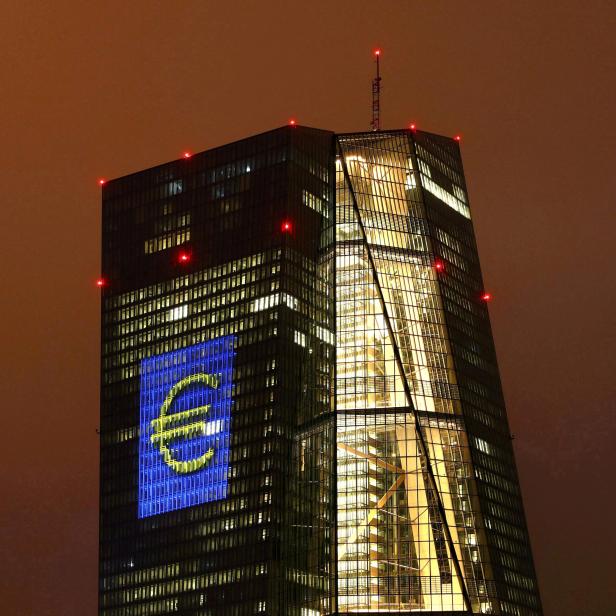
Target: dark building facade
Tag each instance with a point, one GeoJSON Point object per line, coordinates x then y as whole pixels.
{"type": "Point", "coordinates": [301, 409]}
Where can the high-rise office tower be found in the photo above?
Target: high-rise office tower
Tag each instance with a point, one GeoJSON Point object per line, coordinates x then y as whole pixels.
{"type": "Point", "coordinates": [301, 411]}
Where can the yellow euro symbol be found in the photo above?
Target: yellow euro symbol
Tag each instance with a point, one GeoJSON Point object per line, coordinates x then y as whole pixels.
{"type": "Point", "coordinates": [166, 429]}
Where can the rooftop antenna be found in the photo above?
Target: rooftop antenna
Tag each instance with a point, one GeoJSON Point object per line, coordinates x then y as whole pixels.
{"type": "Point", "coordinates": [376, 94]}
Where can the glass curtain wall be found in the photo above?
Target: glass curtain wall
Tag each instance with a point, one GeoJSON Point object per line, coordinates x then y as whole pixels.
{"type": "Point", "coordinates": [409, 536]}
{"type": "Point", "coordinates": [229, 245]}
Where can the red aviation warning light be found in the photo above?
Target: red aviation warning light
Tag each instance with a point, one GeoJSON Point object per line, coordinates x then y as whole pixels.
{"type": "Point", "coordinates": [286, 226]}
{"type": "Point", "coordinates": [187, 155]}
{"type": "Point", "coordinates": [439, 266]}
{"type": "Point", "coordinates": [458, 138]}
{"type": "Point", "coordinates": [412, 127]}
{"type": "Point", "coordinates": [377, 52]}
{"type": "Point", "coordinates": [101, 282]}
{"type": "Point", "coordinates": [102, 181]}
{"type": "Point", "coordinates": [292, 122]}
{"type": "Point", "coordinates": [486, 297]}
{"type": "Point", "coordinates": [184, 258]}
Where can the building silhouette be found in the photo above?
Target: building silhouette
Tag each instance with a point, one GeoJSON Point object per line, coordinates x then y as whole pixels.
{"type": "Point", "coordinates": [301, 411]}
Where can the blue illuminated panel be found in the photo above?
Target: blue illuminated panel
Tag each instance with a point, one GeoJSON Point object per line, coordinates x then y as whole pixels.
{"type": "Point", "coordinates": [184, 427]}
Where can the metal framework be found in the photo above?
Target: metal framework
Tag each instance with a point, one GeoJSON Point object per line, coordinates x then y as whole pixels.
{"type": "Point", "coordinates": [423, 447]}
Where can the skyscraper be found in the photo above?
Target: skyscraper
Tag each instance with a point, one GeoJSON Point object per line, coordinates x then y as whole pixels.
{"type": "Point", "coordinates": [301, 410]}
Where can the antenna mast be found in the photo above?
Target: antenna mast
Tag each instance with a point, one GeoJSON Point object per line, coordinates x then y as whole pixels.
{"type": "Point", "coordinates": [376, 94]}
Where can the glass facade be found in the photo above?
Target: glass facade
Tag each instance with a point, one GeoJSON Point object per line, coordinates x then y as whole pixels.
{"type": "Point", "coordinates": [300, 413]}
{"type": "Point", "coordinates": [209, 279]}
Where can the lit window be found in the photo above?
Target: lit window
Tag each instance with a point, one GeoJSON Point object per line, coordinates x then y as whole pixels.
{"type": "Point", "coordinates": [177, 313]}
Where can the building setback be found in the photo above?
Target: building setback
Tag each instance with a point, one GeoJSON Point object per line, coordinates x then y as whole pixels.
{"type": "Point", "coordinates": [301, 411]}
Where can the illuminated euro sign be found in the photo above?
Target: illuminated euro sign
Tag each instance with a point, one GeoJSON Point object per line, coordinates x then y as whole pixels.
{"type": "Point", "coordinates": [167, 428]}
